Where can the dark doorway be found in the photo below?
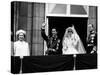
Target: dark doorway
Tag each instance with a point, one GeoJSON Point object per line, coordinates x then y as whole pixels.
{"type": "Point", "coordinates": [61, 23]}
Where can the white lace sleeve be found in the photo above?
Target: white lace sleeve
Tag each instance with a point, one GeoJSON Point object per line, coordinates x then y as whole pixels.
{"type": "Point", "coordinates": [64, 46]}
{"type": "Point", "coordinates": [75, 39]}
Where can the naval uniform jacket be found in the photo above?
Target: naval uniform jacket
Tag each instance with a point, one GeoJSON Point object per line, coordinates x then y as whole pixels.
{"type": "Point", "coordinates": [53, 43]}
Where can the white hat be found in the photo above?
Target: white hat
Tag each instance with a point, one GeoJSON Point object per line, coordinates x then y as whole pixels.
{"type": "Point", "coordinates": [20, 31]}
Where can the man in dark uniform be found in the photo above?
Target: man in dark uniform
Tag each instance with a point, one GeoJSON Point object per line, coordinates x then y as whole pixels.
{"type": "Point", "coordinates": [92, 40]}
{"type": "Point", "coordinates": [53, 43]}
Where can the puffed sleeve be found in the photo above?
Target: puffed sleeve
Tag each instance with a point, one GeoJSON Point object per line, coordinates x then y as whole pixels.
{"type": "Point", "coordinates": [28, 51]}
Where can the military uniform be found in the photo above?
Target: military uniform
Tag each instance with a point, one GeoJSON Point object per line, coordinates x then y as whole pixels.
{"type": "Point", "coordinates": [92, 42]}
{"type": "Point", "coordinates": [53, 44]}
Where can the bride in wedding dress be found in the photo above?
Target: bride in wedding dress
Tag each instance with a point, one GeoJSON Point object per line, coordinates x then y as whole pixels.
{"type": "Point", "coordinates": [72, 43]}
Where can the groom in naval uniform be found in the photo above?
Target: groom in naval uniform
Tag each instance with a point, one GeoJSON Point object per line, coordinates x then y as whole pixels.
{"type": "Point", "coordinates": [53, 42]}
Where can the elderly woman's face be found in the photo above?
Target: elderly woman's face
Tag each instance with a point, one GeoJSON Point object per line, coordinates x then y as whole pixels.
{"type": "Point", "coordinates": [21, 36]}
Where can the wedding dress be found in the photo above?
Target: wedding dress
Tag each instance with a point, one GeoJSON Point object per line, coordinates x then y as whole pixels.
{"type": "Point", "coordinates": [72, 44]}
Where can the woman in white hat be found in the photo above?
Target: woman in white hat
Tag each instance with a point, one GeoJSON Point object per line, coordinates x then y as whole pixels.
{"type": "Point", "coordinates": [21, 47]}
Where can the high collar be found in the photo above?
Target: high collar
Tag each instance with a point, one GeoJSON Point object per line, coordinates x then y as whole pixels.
{"type": "Point", "coordinates": [21, 41]}
{"type": "Point", "coordinates": [55, 37]}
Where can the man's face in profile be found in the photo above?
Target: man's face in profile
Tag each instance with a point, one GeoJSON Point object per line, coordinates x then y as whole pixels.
{"type": "Point", "coordinates": [54, 32]}
{"type": "Point", "coordinates": [90, 27]}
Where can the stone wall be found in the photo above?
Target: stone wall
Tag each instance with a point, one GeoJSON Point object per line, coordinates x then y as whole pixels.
{"type": "Point", "coordinates": [29, 17]}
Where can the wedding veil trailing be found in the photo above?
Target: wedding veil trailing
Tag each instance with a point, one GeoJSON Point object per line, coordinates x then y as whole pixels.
{"type": "Point", "coordinates": [77, 42]}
